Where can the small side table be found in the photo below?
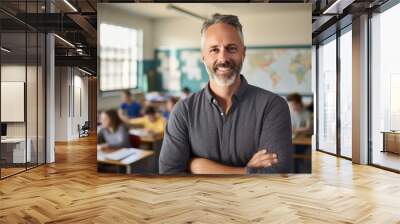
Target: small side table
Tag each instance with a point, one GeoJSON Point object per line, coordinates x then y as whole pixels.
{"type": "Point", "coordinates": [391, 141]}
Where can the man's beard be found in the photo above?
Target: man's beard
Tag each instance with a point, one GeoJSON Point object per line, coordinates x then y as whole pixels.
{"type": "Point", "coordinates": [226, 79]}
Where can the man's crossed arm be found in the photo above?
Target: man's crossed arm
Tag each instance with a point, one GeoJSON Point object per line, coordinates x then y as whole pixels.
{"type": "Point", "coordinates": [260, 159]}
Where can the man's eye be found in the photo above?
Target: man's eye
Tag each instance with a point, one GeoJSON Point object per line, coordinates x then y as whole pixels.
{"type": "Point", "coordinates": [232, 49]}
{"type": "Point", "coordinates": [214, 50]}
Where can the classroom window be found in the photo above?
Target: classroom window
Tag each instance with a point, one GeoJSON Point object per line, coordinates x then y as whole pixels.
{"type": "Point", "coordinates": [120, 49]}
{"type": "Point", "coordinates": [346, 94]}
{"type": "Point", "coordinates": [385, 88]}
{"type": "Point", "coordinates": [327, 96]}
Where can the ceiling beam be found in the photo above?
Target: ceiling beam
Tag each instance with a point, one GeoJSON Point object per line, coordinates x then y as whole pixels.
{"type": "Point", "coordinates": [337, 7]}
{"type": "Point", "coordinates": [84, 24]}
{"type": "Point", "coordinates": [81, 61]}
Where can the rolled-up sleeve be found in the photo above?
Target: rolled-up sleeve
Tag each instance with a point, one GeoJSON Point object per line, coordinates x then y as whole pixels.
{"type": "Point", "coordinates": [276, 136]}
{"type": "Point", "coordinates": [175, 150]}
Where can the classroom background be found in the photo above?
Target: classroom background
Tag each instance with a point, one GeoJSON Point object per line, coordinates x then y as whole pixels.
{"type": "Point", "coordinates": [165, 40]}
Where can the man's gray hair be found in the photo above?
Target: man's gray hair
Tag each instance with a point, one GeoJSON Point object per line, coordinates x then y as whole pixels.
{"type": "Point", "coordinates": [226, 19]}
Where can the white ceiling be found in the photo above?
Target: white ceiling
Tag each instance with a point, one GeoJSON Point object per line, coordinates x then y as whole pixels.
{"type": "Point", "coordinates": [160, 11]}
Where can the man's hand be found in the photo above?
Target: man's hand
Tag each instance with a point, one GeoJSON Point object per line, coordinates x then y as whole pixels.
{"type": "Point", "coordinates": [262, 159]}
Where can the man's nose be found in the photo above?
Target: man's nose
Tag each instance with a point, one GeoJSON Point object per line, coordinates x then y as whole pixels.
{"type": "Point", "coordinates": [222, 56]}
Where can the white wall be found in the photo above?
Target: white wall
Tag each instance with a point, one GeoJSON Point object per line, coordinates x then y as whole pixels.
{"type": "Point", "coordinates": [61, 103]}
{"type": "Point", "coordinates": [84, 84]}
{"type": "Point", "coordinates": [67, 114]}
{"type": "Point", "coordinates": [79, 117]}
{"type": "Point", "coordinates": [277, 28]}
{"type": "Point", "coordinates": [108, 102]}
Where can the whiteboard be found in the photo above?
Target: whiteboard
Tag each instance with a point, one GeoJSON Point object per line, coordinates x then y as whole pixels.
{"type": "Point", "coordinates": [12, 101]}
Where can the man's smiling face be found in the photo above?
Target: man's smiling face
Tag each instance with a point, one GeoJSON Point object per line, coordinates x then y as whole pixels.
{"type": "Point", "coordinates": [223, 53]}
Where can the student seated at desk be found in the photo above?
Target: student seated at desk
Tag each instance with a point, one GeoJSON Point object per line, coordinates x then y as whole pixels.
{"type": "Point", "coordinates": [185, 92]}
{"type": "Point", "coordinates": [129, 108]}
{"type": "Point", "coordinates": [152, 121]}
{"type": "Point", "coordinates": [112, 134]}
{"type": "Point", "coordinates": [169, 106]}
{"type": "Point", "coordinates": [301, 118]}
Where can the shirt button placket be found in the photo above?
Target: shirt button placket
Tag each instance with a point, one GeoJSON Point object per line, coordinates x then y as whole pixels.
{"type": "Point", "coordinates": [219, 109]}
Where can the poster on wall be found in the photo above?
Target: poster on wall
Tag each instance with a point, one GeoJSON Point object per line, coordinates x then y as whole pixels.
{"type": "Point", "coordinates": [283, 70]}
{"type": "Point", "coordinates": [280, 70]}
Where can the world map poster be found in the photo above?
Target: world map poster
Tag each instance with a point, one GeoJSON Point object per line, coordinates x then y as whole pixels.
{"type": "Point", "coordinates": [282, 70]}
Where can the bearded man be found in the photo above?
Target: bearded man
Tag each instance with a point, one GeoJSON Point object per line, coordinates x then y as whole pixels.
{"type": "Point", "coordinates": [230, 126]}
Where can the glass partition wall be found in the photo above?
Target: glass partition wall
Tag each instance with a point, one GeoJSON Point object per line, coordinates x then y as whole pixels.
{"type": "Point", "coordinates": [22, 76]}
{"type": "Point", "coordinates": [334, 90]}
{"type": "Point", "coordinates": [327, 96]}
{"type": "Point", "coordinates": [385, 89]}
{"type": "Point", "coordinates": [346, 93]}
{"type": "Point", "coordinates": [334, 94]}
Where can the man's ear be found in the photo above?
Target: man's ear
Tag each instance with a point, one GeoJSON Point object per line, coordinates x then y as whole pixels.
{"type": "Point", "coordinates": [244, 53]}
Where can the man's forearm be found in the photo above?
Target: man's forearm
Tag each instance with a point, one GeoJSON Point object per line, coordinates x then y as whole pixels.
{"type": "Point", "coordinates": [205, 166]}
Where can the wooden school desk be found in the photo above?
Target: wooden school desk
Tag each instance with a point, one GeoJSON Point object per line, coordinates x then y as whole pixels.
{"type": "Point", "coordinates": [137, 160]}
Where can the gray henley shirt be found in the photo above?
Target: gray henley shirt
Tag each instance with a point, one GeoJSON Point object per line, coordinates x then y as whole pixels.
{"type": "Point", "coordinates": [197, 127]}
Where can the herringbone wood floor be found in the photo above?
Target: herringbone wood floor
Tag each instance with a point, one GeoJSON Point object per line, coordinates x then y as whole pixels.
{"type": "Point", "coordinates": [71, 191]}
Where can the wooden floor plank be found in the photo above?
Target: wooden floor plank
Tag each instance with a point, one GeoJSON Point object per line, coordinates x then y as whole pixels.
{"type": "Point", "coordinates": [71, 191]}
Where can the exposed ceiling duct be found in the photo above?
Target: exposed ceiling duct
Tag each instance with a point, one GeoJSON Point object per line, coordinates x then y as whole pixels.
{"type": "Point", "coordinates": [74, 24]}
